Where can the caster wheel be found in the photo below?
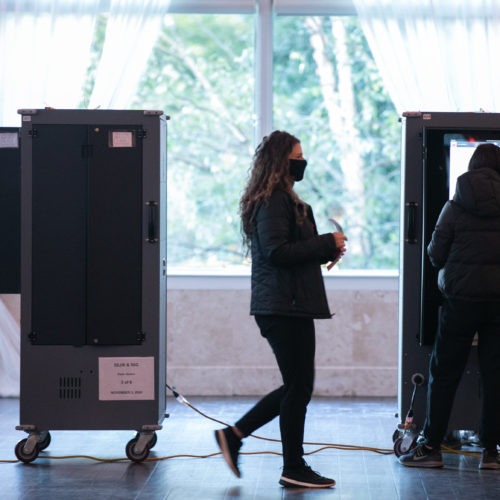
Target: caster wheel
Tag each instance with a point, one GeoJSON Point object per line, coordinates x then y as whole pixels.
{"type": "Point", "coordinates": [401, 446]}
{"type": "Point", "coordinates": [21, 453]}
{"type": "Point", "coordinates": [397, 434]}
{"type": "Point", "coordinates": [153, 441]}
{"type": "Point", "coordinates": [45, 439]}
{"type": "Point", "coordinates": [133, 455]}
{"type": "Point", "coordinates": [397, 447]}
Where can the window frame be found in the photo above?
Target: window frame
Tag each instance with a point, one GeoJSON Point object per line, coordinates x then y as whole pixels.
{"type": "Point", "coordinates": [285, 7]}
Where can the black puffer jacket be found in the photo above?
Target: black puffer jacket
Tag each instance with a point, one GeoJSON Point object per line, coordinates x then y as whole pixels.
{"type": "Point", "coordinates": [286, 259]}
{"type": "Point", "coordinates": [465, 245]}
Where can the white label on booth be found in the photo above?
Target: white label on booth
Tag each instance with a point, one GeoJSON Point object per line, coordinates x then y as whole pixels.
{"type": "Point", "coordinates": [122, 139]}
{"type": "Point", "coordinates": [122, 379]}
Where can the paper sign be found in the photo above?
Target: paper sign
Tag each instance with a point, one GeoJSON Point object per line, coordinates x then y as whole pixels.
{"type": "Point", "coordinates": [122, 139]}
{"type": "Point", "coordinates": [123, 379]}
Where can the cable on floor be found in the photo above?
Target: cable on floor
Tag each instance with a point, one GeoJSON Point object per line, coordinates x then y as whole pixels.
{"type": "Point", "coordinates": [181, 399]}
{"type": "Point", "coordinates": [323, 446]}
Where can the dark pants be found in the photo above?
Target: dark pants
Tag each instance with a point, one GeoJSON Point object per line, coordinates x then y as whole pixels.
{"type": "Point", "coordinates": [459, 320]}
{"type": "Point", "coordinates": [293, 344]}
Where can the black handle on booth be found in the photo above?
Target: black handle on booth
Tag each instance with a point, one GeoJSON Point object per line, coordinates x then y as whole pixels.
{"type": "Point", "coordinates": [411, 222]}
{"type": "Point", "coordinates": [152, 221]}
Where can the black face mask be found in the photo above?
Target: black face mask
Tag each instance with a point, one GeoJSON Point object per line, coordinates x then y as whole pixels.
{"type": "Point", "coordinates": [297, 168]}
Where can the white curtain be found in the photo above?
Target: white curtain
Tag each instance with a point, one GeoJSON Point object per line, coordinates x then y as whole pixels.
{"type": "Point", "coordinates": [44, 54]}
{"type": "Point", "coordinates": [9, 353]}
{"type": "Point", "coordinates": [45, 49]}
{"type": "Point", "coordinates": [436, 55]}
{"type": "Point", "coordinates": [131, 32]}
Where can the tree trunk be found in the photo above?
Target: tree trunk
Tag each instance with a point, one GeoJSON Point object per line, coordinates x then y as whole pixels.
{"type": "Point", "coordinates": [338, 96]}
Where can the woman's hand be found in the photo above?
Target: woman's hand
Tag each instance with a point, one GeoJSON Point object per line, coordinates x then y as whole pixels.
{"type": "Point", "coordinates": [340, 239]}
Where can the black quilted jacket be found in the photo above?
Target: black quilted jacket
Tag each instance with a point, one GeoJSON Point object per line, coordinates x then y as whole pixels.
{"type": "Point", "coordinates": [465, 244]}
{"type": "Point", "coordinates": [286, 260]}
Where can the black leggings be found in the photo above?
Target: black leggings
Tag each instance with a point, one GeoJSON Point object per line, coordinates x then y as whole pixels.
{"type": "Point", "coordinates": [293, 343]}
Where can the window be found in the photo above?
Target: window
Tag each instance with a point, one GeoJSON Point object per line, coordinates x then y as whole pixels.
{"type": "Point", "coordinates": [327, 92]}
{"type": "Point", "coordinates": [201, 73]}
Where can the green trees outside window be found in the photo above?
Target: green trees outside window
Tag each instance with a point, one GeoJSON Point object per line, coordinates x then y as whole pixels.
{"type": "Point", "coordinates": [201, 74]}
{"type": "Point", "coordinates": [328, 92]}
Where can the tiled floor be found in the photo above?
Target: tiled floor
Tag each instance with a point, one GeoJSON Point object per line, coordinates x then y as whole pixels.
{"type": "Point", "coordinates": [65, 470]}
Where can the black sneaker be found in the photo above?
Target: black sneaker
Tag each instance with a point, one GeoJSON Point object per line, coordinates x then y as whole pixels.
{"type": "Point", "coordinates": [304, 477]}
{"type": "Point", "coordinates": [490, 460]}
{"type": "Point", "coordinates": [422, 456]}
{"type": "Point", "coordinates": [230, 445]}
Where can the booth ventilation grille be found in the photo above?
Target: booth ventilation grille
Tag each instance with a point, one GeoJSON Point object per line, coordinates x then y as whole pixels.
{"type": "Point", "coordinates": [70, 387]}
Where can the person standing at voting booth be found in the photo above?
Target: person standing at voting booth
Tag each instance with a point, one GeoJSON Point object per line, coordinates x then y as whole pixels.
{"type": "Point", "coordinates": [287, 295]}
{"type": "Point", "coordinates": [465, 247]}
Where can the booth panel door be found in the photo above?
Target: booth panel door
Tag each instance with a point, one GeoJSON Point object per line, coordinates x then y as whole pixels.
{"type": "Point", "coordinates": [59, 200]}
{"type": "Point", "coordinates": [114, 269]}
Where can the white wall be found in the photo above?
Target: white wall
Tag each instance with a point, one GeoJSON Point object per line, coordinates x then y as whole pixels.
{"type": "Point", "coordinates": [214, 346]}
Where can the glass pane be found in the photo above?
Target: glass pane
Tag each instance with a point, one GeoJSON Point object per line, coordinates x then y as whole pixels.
{"type": "Point", "coordinates": [201, 74]}
{"type": "Point", "coordinates": [328, 93]}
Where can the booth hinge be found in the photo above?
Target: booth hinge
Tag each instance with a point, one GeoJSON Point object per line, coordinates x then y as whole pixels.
{"type": "Point", "coordinates": [32, 337]}
{"type": "Point", "coordinates": [141, 337]}
{"type": "Point", "coordinates": [141, 134]}
{"type": "Point", "coordinates": [33, 132]}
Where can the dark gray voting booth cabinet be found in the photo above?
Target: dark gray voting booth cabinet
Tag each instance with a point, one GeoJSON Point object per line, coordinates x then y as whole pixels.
{"type": "Point", "coordinates": [436, 148]}
{"type": "Point", "coordinates": [93, 279]}
{"type": "Point", "coordinates": [10, 208]}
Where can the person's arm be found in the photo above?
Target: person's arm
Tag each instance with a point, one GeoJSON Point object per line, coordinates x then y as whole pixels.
{"type": "Point", "coordinates": [442, 237]}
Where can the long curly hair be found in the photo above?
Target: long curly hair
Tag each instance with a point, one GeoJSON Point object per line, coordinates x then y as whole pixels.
{"type": "Point", "coordinates": [269, 172]}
